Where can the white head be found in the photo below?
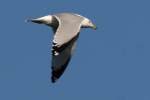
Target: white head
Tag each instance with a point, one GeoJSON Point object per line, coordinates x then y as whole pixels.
{"type": "Point", "coordinates": [86, 23]}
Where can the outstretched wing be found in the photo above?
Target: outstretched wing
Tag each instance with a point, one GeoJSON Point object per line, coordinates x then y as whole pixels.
{"type": "Point", "coordinates": [60, 61]}
{"type": "Point", "coordinates": [64, 42]}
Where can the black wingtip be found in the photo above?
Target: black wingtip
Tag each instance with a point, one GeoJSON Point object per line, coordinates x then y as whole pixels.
{"type": "Point", "coordinates": [53, 80]}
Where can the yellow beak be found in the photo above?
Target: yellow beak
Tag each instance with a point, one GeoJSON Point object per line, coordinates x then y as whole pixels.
{"type": "Point", "coordinates": [94, 27]}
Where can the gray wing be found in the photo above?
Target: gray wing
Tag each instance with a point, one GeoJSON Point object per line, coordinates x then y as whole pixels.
{"type": "Point", "coordinates": [69, 27]}
{"type": "Point", "coordinates": [60, 62]}
{"type": "Point", "coordinates": [64, 43]}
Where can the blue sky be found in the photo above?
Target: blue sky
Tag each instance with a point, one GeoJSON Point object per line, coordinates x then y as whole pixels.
{"type": "Point", "coordinates": [111, 63]}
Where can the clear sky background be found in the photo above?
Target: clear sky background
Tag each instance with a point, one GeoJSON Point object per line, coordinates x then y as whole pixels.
{"type": "Point", "coordinates": [111, 63]}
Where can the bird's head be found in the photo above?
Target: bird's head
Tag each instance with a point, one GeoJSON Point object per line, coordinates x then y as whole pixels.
{"type": "Point", "coordinates": [42, 20]}
{"type": "Point", "coordinates": [86, 23]}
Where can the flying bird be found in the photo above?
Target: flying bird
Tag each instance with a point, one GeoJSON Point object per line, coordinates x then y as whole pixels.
{"type": "Point", "coordinates": [66, 28]}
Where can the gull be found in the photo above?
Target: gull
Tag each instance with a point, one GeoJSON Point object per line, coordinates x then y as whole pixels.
{"type": "Point", "coordinates": [66, 28]}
